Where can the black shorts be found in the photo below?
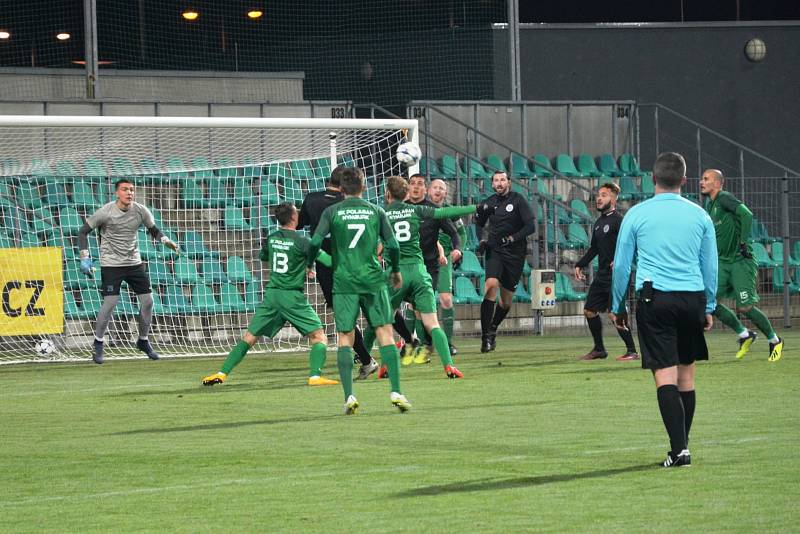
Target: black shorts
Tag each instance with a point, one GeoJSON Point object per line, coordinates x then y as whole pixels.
{"type": "Point", "coordinates": [135, 276]}
{"type": "Point", "coordinates": [434, 272]}
{"type": "Point", "coordinates": [670, 328]}
{"type": "Point", "coordinates": [507, 268]}
{"type": "Point", "coordinates": [325, 280]}
{"type": "Point", "coordinates": [599, 297]}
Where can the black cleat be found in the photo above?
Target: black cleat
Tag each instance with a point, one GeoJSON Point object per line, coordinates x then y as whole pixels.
{"type": "Point", "coordinates": [682, 459]}
{"type": "Point", "coordinates": [487, 344]}
{"type": "Point", "coordinates": [145, 346]}
{"type": "Point", "coordinates": [97, 352]}
{"type": "Point", "coordinates": [453, 350]}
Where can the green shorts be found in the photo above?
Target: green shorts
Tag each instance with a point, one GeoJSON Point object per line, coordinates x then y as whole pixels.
{"type": "Point", "coordinates": [279, 306]}
{"type": "Point", "coordinates": [737, 280]}
{"type": "Point", "coordinates": [376, 308]}
{"type": "Point", "coordinates": [445, 278]}
{"type": "Point", "coordinates": [417, 289]}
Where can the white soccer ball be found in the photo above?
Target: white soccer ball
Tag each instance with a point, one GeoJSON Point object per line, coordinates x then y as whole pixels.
{"type": "Point", "coordinates": [408, 153]}
{"type": "Point", "coordinates": [45, 347]}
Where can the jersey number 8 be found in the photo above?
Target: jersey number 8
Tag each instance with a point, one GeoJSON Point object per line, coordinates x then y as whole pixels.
{"type": "Point", "coordinates": [402, 231]}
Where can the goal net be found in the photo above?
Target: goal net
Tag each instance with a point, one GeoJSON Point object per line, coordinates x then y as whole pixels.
{"type": "Point", "coordinates": [211, 183]}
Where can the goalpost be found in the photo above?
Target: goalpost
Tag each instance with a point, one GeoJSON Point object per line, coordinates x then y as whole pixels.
{"type": "Point", "coordinates": [211, 184]}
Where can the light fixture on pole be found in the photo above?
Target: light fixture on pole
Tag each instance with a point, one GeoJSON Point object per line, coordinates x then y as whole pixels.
{"type": "Point", "coordinates": [254, 14]}
{"type": "Point", "coordinates": [63, 36]}
{"type": "Point", "coordinates": [4, 34]}
{"type": "Point", "coordinates": [190, 14]}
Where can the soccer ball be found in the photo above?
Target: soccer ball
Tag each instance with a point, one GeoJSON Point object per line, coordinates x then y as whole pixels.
{"type": "Point", "coordinates": [45, 347]}
{"type": "Point", "coordinates": [408, 153]}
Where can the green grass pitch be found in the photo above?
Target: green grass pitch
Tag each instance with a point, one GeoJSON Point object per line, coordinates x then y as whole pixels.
{"type": "Point", "coordinates": [530, 441]}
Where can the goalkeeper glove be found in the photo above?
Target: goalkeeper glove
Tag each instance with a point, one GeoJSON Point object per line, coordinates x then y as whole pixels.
{"type": "Point", "coordinates": [87, 266]}
{"type": "Point", "coordinates": [744, 251]}
{"type": "Point", "coordinates": [171, 244]}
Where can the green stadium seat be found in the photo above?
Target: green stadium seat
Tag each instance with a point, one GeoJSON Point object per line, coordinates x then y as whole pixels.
{"type": "Point", "coordinates": [262, 220]}
{"type": "Point", "coordinates": [237, 270]}
{"type": "Point", "coordinates": [29, 240]}
{"type": "Point", "coordinates": [160, 273]}
{"type": "Point", "coordinates": [158, 305]}
{"type": "Point", "coordinates": [83, 195]}
{"type": "Point", "coordinates": [70, 221]}
{"type": "Point", "coordinates": [541, 189]}
{"type": "Point", "coordinates": [194, 246]}
{"type": "Point", "coordinates": [6, 241]}
{"type": "Point", "coordinates": [628, 189]}
{"type": "Point", "coordinates": [90, 301]}
{"type": "Point", "coordinates": [777, 282]}
{"type": "Point", "coordinates": [465, 292]}
{"type": "Point", "coordinates": [234, 219]}
{"type": "Point", "coordinates": [587, 167]}
{"type": "Point", "coordinates": [231, 300]}
{"type": "Point", "coordinates": [43, 221]}
{"type": "Point", "coordinates": [252, 295]}
{"type": "Point", "coordinates": [174, 300]}
{"type": "Point", "coordinates": [186, 271]}
{"type": "Point", "coordinates": [122, 167]}
{"type": "Point", "coordinates": [151, 170]}
{"type": "Point", "coordinates": [176, 172]}
{"type": "Point", "coordinates": [217, 195]}
{"type": "Point", "coordinates": [469, 190]}
{"type": "Point", "coordinates": [346, 160]}
{"type": "Point", "coordinates": [252, 169]}
{"type": "Point", "coordinates": [449, 167]}
{"type": "Point", "coordinates": [243, 191]}
{"type": "Point", "coordinates": [55, 193]}
{"type": "Point", "coordinates": [147, 249]}
{"type": "Point", "coordinates": [629, 166]}
{"type": "Point", "coordinates": [227, 168]}
{"type": "Point", "coordinates": [541, 166]}
{"type": "Point", "coordinates": [211, 271]}
{"type": "Point", "coordinates": [301, 169]}
{"type": "Point", "coordinates": [577, 234]}
{"type": "Point", "coordinates": [470, 265]}
{"type": "Point", "coordinates": [429, 167]}
{"type": "Point", "coordinates": [608, 166]}
{"type": "Point", "coordinates": [203, 300]}
{"type": "Point", "coordinates": [474, 168]}
{"type": "Point", "coordinates": [519, 185]}
{"type": "Point", "coordinates": [127, 305]}
{"type": "Point", "coordinates": [202, 168]}
{"type": "Point", "coordinates": [94, 167]}
{"type": "Point", "coordinates": [71, 309]}
{"type": "Point", "coordinates": [192, 195]}
{"type": "Point", "coordinates": [269, 192]}
{"type": "Point", "coordinates": [495, 163]}
{"type": "Point", "coordinates": [526, 269]}
{"type": "Point", "coordinates": [520, 295]}
{"type": "Point", "coordinates": [580, 212]}
{"type": "Point", "coordinates": [472, 237]}
{"type": "Point", "coordinates": [565, 291]}
{"type": "Point", "coordinates": [777, 254]}
{"type": "Point", "coordinates": [762, 257]}
{"type": "Point", "coordinates": [292, 190]}
{"type": "Point", "coordinates": [322, 168]}
{"type": "Point", "coordinates": [761, 232]}
{"type": "Point", "coordinates": [563, 215]}
{"type": "Point", "coordinates": [518, 166]}
{"type": "Point", "coordinates": [74, 279]}
{"type": "Point", "coordinates": [28, 195]}
{"type": "Point", "coordinates": [41, 169]}
{"type": "Point", "coordinates": [566, 166]}
{"type": "Point", "coordinates": [6, 192]}
{"type": "Point", "coordinates": [796, 251]}
{"type": "Point", "coordinates": [648, 186]}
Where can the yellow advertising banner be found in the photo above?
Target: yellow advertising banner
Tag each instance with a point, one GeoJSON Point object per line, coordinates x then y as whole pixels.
{"type": "Point", "coordinates": [31, 291]}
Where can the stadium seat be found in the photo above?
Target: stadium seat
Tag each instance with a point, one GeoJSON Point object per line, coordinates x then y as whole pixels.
{"type": "Point", "coordinates": [6, 192]}
{"type": "Point", "coordinates": [465, 292]}
{"type": "Point", "coordinates": [71, 309]}
{"type": "Point", "coordinates": [55, 193]}
{"type": "Point", "coordinates": [796, 251]}
{"type": "Point", "coordinates": [580, 213]}
{"type": "Point", "coordinates": [6, 241]}
{"type": "Point", "coordinates": [122, 167]}
{"type": "Point", "coordinates": [777, 282]}
{"type": "Point", "coordinates": [519, 185]}
{"type": "Point", "coordinates": [322, 168]}
{"type": "Point", "coordinates": [587, 167]}
{"type": "Point", "coordinates": [541, 166]}
{"type": "Point", "coordinates": [252, 169]}
{"type": "Point", "coordinates": [469, 190]}
{"type": "Point", "coordinates": [186, 271]}
{"type": "Point", "coordinates": [176, 172]}
{"type": "Point", "coordinates": [29, 240]}
{"type": "Point", "coordinates": [127, 305]}
{"type": "Point", "coordinates": [472, 237]}
{"type": "Point", "coordinates": [147, 249]}
{"type": "Point", "coordinates": [194, 246]}
{"type": "Point", "coordinates": [243, 191]}
{"type": "Point", "coordinates": [216, 191]}
{"type": "Point", "coordinates": [566, 166]}
{"type": "Point", "coordinates": [648, 186]}
{"type": "Point", "coordinates": [227, 168]}
{"type": "Point", "coordinates": [565, 291]}
{"type": "Point", "coordinates": [159, 273]}
{"type": "Point", "coordinates": [577, 234]}
{"type": "Point", "coordinates": [449, 167]}
{"type": "Point", "coordinates": [83, 195]}
{"type": "Point", "coordinates": [628, 189]}
{"type": "Point", "coordinates": [555, 235]}
{"type": "Point", "coordinates": [174, 300]}
{"type": "Point", "coordinates": [269, 192]}
{"type": "Point", "coordinates": [203, 300]}
{"type": "Point", "coordinates": [470, 265]}
{"type": "Point", "coordinates": [237, 270]}
{"type": "Point", "coordinates": [231, 300]}
{"type": "Point", "coordinates": [762, 257]}
{"type": "Point", "coordinates": [563, 215]}
{"type": "Point", "coordinates": [151, 170]}
{"type": "Point", "coordinates": [192, 195]}
{"type": "Point", "coordinates": [474, 168]}
{"type": "Point", "coordinates": [346, 160]}
{"type": "Point", "coordinates": [495, 163]}
{"type": "Point", "coordinates": [301, 169]}
{"type": "Point", "coordinates": [518, 166]}
{"type": "Point", "coordinates": [541, 189]}
{"type": "Point", "coordinates": [202, 168]}
{"type": "Point", "coordinates": [292, 190]}
{"type": "Point", "coordinates": [520, 295]}
{"type": "Point", "coordinates": [252, 295]}
{"type": "Point", "coordinates": [70, 221]}
{"type": "Point", "coordinates": [94, 168]}
{"type": "Point", "coordinates": [758, 232]}
{"type": "Point", "coordinates": [74, 279]}
{"type": "Point", "coordinates": [90, 301]}
{"type": "Point", "coordinates": [28, 195]}
{"type": "Point", "coordinates": [629, 166]}
{"type": "Point", "coordinates": [777, 254]}
{"type": "Point", "coordinates": [234, 219]}
{"type": "Point", "coordinates": [211, 271]}
{"type": "Point", "coordinates": [608, 166]}
{"type": "Point", "coordinates": [429, 167]}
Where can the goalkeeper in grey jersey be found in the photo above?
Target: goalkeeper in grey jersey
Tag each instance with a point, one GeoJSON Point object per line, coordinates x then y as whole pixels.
{"type": "Point", "coordinates": [118, 223]}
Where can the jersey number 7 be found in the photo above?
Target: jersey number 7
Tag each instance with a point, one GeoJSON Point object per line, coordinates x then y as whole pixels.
{"type": "Point", "coordinates": [359, 228]}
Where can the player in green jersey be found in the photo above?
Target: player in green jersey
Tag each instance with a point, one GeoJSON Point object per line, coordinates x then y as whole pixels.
{"type": "Point", "coordinates": [738, 272]}
{"type": "Point", "coordinates": [285, 250]}
{"type": "Point", "coordinates": [437, 193]}
{"type": "Point", "coordinates": [417, 288]}
{"type": "Point", "coordinates": [355, 226]}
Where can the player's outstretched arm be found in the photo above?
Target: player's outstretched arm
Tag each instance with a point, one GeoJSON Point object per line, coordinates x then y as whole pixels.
{"type": "Point", "coordinates": [158, 235]}
{"type": "Point", "coordinates": [87, 265]}
{"type": "Point", "coordinates": [454, 211]}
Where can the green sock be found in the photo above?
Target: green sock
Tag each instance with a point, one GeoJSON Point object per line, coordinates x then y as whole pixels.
{"type": "Point", "coordinates": [316, 359]}
{"type": "Point", "coordinates": [442, 348]}
{"type": "Point", "coordinates": [344, 359]}
{"type": "Point", "coordinates": [391, 358]}
{"type": "Point", "coordinates": [234, 357]}
{"type": "Point", "coordinates": [411, 319]}
{"type": "Point", "coordinates": [729, 319]}
{"type": "Point", "coordinates": [761, 321]}
{"type": "Point", "coordinates": [369, 338]}
{"type": "Point", "coordinates": [448, 318]}
{"type": "Point", "coordinates": [420, 330]}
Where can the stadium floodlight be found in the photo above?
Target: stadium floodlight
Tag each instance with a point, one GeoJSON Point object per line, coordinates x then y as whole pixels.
{"type": "Point", "coordinates": [255, 14]}
{"type": "Point", "coordinates": [190, 14]}
{"type": "Point", "coordinates": [211, 183]}
{"type": "Point", "coordinates": [4, 34]}
{"type": "Point", "coordinates": [63, 36]}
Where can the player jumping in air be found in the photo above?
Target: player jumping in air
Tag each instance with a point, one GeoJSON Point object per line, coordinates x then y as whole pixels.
{"type": "Point", "coordinates": [285, 251]}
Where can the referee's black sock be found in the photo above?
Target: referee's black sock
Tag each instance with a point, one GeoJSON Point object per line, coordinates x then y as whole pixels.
{"type": "Point", "coordinates": [627, 337]}
{"type": "Point", "coordinates": [499, 314]}
{"type": "Point", "coordinates": [401, 328]}
{"type": "Point", "coordinates": [487, 313]}
{"type": "Point", "coordinates": [596, 328]}
{"type": "Point", "coordinates": [671, 406]}
{"type": "Point", "coordinates": [688, 399]}
{"type": "Point", "coordinates": [360, 348]}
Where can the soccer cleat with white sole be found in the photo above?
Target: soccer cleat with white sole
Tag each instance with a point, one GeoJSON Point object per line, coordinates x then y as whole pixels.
{"type": "Point", "coordinates": [744, 344]}
{"type": "Point", "coordinates": [216, 378]}
{"type": "Point", "coordinates": [682, 459]}
{"type": "Point", "coordinates": [366, 370]}
{"type": "Point", "coordinates": [400, 401]}
{"type": "Point", "coordinates": [775, 350]}
{"type": "Point", "coordinates": [321, 381]}
{"type": "Point", "coordinates": [351, 405]}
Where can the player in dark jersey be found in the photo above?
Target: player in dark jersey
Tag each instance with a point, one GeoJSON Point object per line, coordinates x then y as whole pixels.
{"type": "Point", "coordinates": [738, 271]}
{"type": "Point", "coordinates": [433, 256]}
{"type": "Point", "coordinates": [285, 251]}
{"type": "Point", "coordinates": [604, 241]}
{"type": "Point", "coordinates": [510, 222]}
{"type": "Point", "coordinates": [313, 206]}
{"type": "Point", "coordinates": [359, 283]}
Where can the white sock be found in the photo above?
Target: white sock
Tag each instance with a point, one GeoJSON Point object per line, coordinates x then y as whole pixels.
{"type": "Point", "coordinates": [774, 339]}
{"type": "Point", "coordinates": [100, 340]}
{"type": "Point", "coordinates": [744, 334]}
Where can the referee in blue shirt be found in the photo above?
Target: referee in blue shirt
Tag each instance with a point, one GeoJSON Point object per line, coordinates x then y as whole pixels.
{"type": "Point", "coordinates": [676, 283]}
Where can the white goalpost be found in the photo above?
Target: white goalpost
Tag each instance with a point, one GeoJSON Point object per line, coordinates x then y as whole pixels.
{"type": "Point", "coordinates": [211, 184]}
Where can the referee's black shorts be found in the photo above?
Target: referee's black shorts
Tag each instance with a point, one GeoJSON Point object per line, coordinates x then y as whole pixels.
{"type": "Point", "coordinates": [599, 297]}
{"type": "Point", "coordinates": [507, 268]}
{"type": "Point", "coordinates": [670, 328]}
